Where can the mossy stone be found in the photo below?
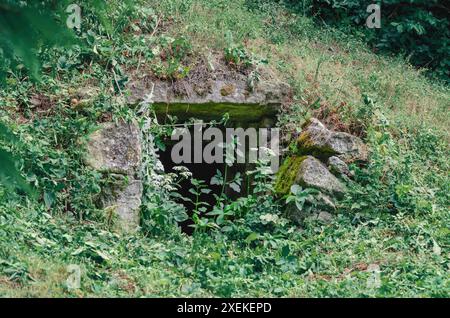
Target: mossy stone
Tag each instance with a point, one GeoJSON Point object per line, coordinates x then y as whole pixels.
{"type": "Point", "coordinates": [287, 174]}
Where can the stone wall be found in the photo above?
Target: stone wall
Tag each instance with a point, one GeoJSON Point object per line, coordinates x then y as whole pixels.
{"type": "Point", "coordinates": [115, 150]}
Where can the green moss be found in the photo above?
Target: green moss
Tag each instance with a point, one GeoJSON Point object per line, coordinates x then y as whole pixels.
{"type": "Point", "coordinates": [304, 141]}
{"type": "Point", "coordinates": [214, 111]}
{"type": "Point", "coordinates": [306, 146]}
{"type": "Point", "coordinates": [287, 174]}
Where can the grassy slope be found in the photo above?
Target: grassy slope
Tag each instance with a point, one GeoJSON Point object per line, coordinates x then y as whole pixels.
{"type": "Point", "coordinates": [329, 74]}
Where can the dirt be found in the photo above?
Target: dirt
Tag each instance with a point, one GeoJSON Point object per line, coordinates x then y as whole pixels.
{"type": "Point", "coordinates": [204, 69]}
{"type": "Point", "coordinates": [41, 103]}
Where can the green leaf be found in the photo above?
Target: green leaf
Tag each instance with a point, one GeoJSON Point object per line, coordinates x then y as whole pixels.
{"type": "Point", "coordinates": [252, 237]}
{"type": "Point", "coordinates": [236, 187]}
{"type": "Point", "coordinates": [285, 251]}
{"type": "Point", "coordinates": [9, 175]}
{"type": "Point", "coordinates": [296, 189]}
{"type": "Point", "coordinates": [49, 199]}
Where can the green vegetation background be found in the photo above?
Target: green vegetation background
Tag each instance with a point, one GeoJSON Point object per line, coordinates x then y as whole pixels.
{"type": "Point", "coordinates": [395, 216]}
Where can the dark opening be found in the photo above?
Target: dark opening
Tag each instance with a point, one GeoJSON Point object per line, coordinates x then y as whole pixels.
{"type": "Point", "coordinates": [203, 171]}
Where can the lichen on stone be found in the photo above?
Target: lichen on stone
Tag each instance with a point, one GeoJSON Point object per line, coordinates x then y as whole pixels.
{"type": "Point", "coordinates": [314, 174]}
{"type": "Point", "coordinates": [115, 150]}
{"type": "Point", "coordinates": [306, 146]}
{"type": "Point", "coordinates": [227, 90]}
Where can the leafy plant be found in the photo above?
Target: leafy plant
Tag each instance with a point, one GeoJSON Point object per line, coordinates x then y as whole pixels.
{"type": "Point", "coordinates": [199, 187]}
{"type": "Point", "coordinates": [170, 62]}
{"type": "Point", "coordinates": [25, 26]}
{"type": "Point", "coordinates": [160, 212]}
{"type": "Point", "coordinates": [238, 56]}
{"type": "Point", "coordinates": [304, 199]}
{"type": "Point", "coordinates": [418, 30]}
{"type": "Point", "coordinates": [9, 174]}
{"type": "Point", "coordinates": [394, 216]}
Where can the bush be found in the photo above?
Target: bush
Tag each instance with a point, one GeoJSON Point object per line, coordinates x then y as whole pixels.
{"type": "Point", "coordinates": [417, 28]}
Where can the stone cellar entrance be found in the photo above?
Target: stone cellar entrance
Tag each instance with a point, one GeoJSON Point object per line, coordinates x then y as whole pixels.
{"type": "Point", "coordinates": [229, 99]}
{"type": "Point", "coordinates": [321, 158]}
{"type": "Point", "coordinates": [206, 172]}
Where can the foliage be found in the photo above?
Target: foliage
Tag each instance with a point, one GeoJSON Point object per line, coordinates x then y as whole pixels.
{"type": "Point", "coordinates": [395, 214]}
{"type": "Point", "coordinates": [26, 28]}
{"type": "Point", "coordinates": [171, 55]}
{"type": "Point", "coordinates": [417, 29]}
{"type": "Point", "coordinates": [237, 55]}
{"type": "Point", "coordinates": [9, 174]}
{"type": "Point", "coordinates": [302, 198]}
{"type": "Point", "coordinates": [160, 213]}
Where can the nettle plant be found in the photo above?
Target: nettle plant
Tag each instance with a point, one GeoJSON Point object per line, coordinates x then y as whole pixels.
{"type": "Point", "coordinates": [304, 199]}
{"type": "Point", "coordinates": [229, 213]}
{"type": "Point", "coordinates": [163, 202]}
{"type": "Point", "coordinates": [237, 56]}
{"type": "Point", "coordinates": [160, 211]}
{"type": "Point", "coordinates": [201, 218]}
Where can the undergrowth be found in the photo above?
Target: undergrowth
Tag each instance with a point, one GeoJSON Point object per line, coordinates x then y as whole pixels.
{"type": "Point", "coordinates": [395, 215]}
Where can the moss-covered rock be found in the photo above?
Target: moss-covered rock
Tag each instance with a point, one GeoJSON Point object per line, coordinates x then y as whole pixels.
{"type": "Point", "coordinates": [322, 143]}
{"type": "Point", "coordinates": [245, 114]}
{"type": "Point", "coordinates": [308, 172]}
{"type": "Point", "coordinates": [115, 148]}
{"type": "Point", "coordinates": [231, 95]}
{"type": "Point", "coordinates": [313, 140]}
{"type": "Point", "coordinates": [287, 174]}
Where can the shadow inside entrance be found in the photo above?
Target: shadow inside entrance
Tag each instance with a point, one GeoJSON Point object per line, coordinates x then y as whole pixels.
{"type": "Point", "coordinates": [204, 172]}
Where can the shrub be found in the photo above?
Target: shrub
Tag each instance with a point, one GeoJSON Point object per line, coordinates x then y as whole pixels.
{"type": "Point", "coordinates": [419, 29]}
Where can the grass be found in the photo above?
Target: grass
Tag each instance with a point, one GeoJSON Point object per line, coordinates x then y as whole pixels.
{"type": "Point", "coordinates": [396, 216]}
{"type": "Point", "coordinates": [318, 63]}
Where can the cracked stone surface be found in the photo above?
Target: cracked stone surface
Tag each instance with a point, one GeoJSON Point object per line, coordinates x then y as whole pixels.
{"type": "Point", "coordinates": [314, 174]}
{"type": "Point", "coordinates": [339, 167]}
{"type": "Point", "coordinates": [115, 148]}
{"type": "Point", "coordinates": [317, 140]}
